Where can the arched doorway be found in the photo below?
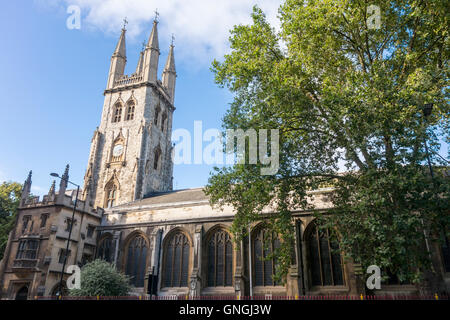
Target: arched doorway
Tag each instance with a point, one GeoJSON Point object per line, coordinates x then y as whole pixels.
{"type": "Point", "coordinates": [22, 294]}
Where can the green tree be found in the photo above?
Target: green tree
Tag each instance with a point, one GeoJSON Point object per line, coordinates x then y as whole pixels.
{"type": "Point", "coordinates": [100, 278]}
{"type": "Point", "coordinates": [344, 94]}
{"type": "Point", "coordinates": [9, 202]}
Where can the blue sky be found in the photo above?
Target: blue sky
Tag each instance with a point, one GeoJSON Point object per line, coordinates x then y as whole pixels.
{"type": "Point", "coordinates": [53, 80]}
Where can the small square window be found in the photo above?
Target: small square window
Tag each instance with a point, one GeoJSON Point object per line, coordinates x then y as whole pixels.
{"type": "Point", "coordinates": [90, 231]}
{"type": "Point", "coordinates": [44, 218]}
{"type": "Point", "coordinates": [69, 224]}
{"type": "Point", "coordinates": [62, 254]}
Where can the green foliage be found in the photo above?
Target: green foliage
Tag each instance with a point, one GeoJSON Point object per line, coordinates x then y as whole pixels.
{"type": "Point", "coordinates": [9, 202]}
{"type": "Point", "coordinates": [342, 93]}
{"type": "Point", "coordinates": [100, 278]}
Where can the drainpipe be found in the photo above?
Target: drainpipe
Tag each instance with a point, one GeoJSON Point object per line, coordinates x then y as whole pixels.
{"type": "Point", "coordinates": [250, 261]}
{"type": "Point", "coordinates": [156, 277]}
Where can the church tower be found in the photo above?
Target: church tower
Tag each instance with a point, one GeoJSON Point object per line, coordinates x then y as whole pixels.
{"type": "Point", "coordinates": [130, 156]}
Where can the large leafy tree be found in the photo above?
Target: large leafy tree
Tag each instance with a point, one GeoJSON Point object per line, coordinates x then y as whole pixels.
{"type": "Point", "coordinates": [345, 97]}
{"type": "Point", "coordinates": [9, 202]}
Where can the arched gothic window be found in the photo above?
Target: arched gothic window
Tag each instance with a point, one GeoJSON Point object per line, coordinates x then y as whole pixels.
{"type": "Point", "coordinates": [130, 111]}
{"type": "Point", "coordinates": [117, 116]}
{"type": "Point", "coordinates": [157, 111]}
{"type": "Point", "coordinates": [176, 261]}
{"type": "Point", "coordinates": [111, 195]}
{"type": "Point", "coordinates": [157, 158]}
{"type": "Point", "coordinates": [104, 249]}
{"type": "Point", "coordinates": [136, 261]}
{"type": "Point", "coordinates": [220, 259]}
{"type": "Point", "coordinates": [163, 122]}
{"type": "Point", "coordinates": [264, 244]}
{"type": "Point", "coordinates": [325, 259]}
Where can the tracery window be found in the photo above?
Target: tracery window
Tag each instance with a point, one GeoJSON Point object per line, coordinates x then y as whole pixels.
{"type": "Point", "coordinates": [111, 195]}
{"type": "Point", "coordinates": [325, 259]}
{"type": "Point", "coordinates": [176, 261]}
{"type": "Point", "coordinates": [136, 261]}
{"type": "Point", "coordinates": [104, 249]}
{"type": "Point", "coordinates": [117, 116]}
{"type": "Point", "coordinates": [220, 259]}
{"type": "Point", "coordinates": [264, 245]}
{"type": "Point", "coordinates": [130, 111]}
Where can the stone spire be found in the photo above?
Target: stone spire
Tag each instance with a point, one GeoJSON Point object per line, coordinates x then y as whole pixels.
{"type": "Point", "coordinates": [118, 61]}
{"type": "Point", "coordinates": [26, 189]}
{"type": "Point", "coordinates": [153, 42]}
{"type": "Point", "coordinates": [151, 55]}
{"type": "Point", "coordinates": [170, 74]}
{"type": "Point", "coordinates": [140, 65]}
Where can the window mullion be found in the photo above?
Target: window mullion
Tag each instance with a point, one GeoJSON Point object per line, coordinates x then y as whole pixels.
{"type": "Point", "coordinates": [320, 257]}
{"type": "Point", "coordinates": [330, 257]}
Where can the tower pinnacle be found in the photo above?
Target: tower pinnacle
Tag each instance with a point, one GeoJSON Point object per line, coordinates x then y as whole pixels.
{"type": "Point", "coordinates": [151, 56]}
{"type": "Point", "coordinates": [118, 60]}
{"type": "Point", "coordinates": [170, 74]}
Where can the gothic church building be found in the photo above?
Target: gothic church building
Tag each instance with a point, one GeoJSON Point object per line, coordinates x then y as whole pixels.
{"type": "Point", "coordinates": [173, 243]}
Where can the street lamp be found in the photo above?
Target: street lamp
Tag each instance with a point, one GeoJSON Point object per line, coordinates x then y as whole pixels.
{"type": "Point", "coordinates": [70, 229]}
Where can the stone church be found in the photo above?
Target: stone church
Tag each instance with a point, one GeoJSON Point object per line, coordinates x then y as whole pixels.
{"type": "Point", "coordinates": [170, 243]}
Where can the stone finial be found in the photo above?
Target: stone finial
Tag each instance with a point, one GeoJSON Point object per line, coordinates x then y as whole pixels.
{"type": "Point", "coordinates": [52, 192]}
{"type": "Point", "coordinates": [63, 185]}
{"type": "Point", "coordinates": [26, 189]}
{"type": "Point", "coordinates": [66, 173]}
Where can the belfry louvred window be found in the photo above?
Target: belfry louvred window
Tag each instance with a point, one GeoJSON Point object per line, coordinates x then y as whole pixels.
{"type": "Point", "coordinates": [117, 115]}
{"type": "Point", "coordinates": [264, 245]}
{"type": "Point", "coordinates": [176, 261]}
{"type": "Point", "coordinates": [136, 261]}
{"type": "Point", "coordinates": [325, 259]}
{"type": "Point", "coordinates": [130, 111]}
{"type": "Point", "coordinates": [220, 259]}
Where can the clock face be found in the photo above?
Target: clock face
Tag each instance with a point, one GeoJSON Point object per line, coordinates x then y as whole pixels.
{"type": "Point", "coordinates": [118, 150]}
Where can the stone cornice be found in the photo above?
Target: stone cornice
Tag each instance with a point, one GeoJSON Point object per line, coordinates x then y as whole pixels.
{"type": "Point", "coordinates": [143, 84]}
{"type": "Point", "coordinates": [229, 218]}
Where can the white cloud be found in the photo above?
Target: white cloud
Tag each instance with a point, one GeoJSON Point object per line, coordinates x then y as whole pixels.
{"type": "Point", "coordinates": [201, 27]}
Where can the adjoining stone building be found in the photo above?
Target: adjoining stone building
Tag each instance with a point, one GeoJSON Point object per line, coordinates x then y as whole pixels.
{"type": "Point", "coordinates": [34, 255]}
{"type": "Point", "coordinates": [173, 242]}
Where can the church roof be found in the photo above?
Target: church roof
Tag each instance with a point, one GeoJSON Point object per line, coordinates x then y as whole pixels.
{"type": "Point", "coordinates": [171, 198]}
